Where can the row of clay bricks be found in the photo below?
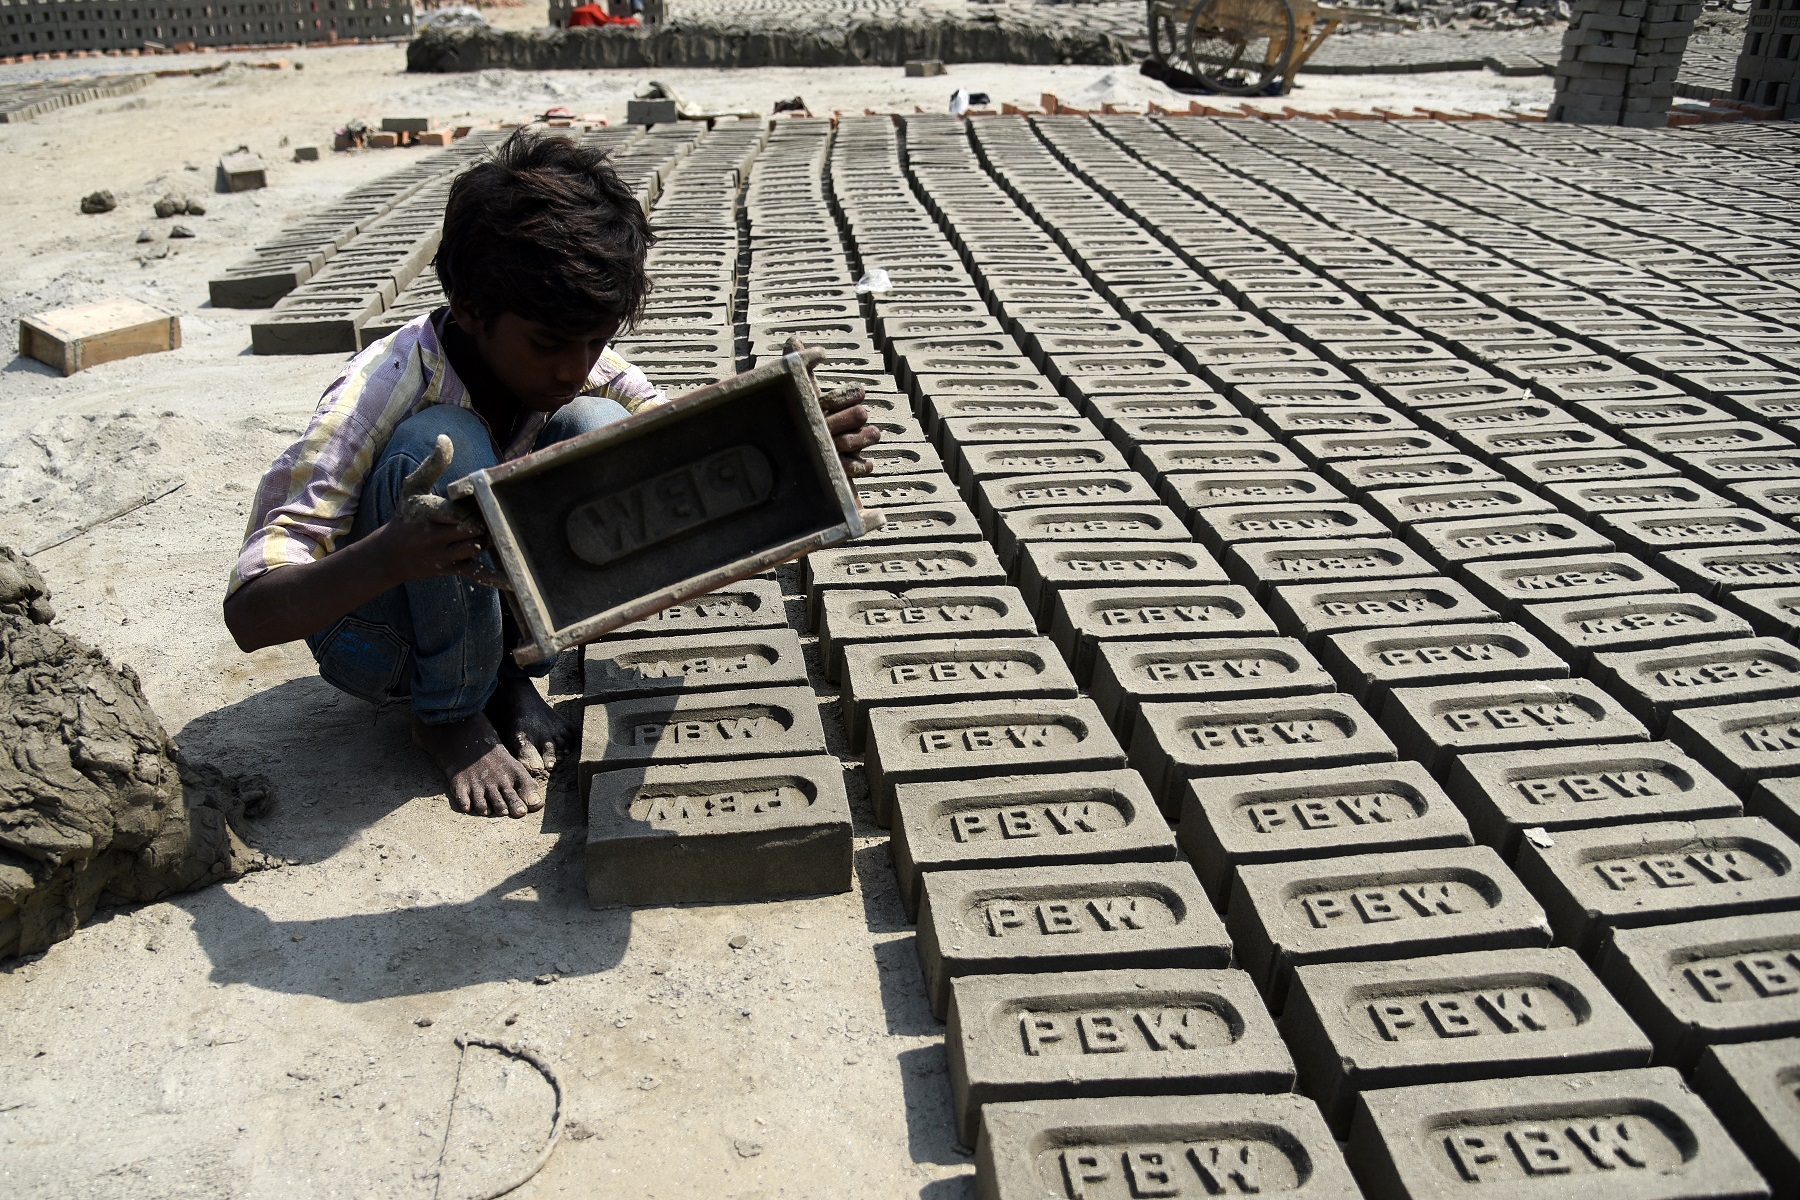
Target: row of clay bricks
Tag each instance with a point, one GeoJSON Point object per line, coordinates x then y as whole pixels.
{"type": "Point", "coordinates": [300, 250]}
{"type": "Point", "coordinates": [690, 340]}
{"type": "Point", "coordinates": [1620, 59]}
{"type": "Point", "coordinates": [704, 758]}
{"type": "Point", "coordinates": [28, 98]}
{"type": "Point", "coordinates": [1275, 958]}
{"type": "Point", "coordinates": [332, 311]}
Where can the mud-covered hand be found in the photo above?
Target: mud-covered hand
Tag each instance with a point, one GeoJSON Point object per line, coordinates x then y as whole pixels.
{"type": "Point", "coordinates": [847, 420]}
{"type": "Point", "coordinates": [433, 535]}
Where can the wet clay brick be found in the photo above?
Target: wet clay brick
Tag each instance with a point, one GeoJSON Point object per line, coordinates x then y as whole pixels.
{"type": "Point", "coordinates": [1755, 1090]}
{"type": "Point", "coordinates": [1189, 494]}
{"type": "Point", "coordinates": [938, 671]}
{"type": "Point", "coordinates": [1289, 815]}
{"type": "Point", "coordinates": [850, 618]}
{"type": "Point", "coordinates": [1778, 496]}
{"type": "Point", "coordinates": [902, 458]}
{"type": "Point", "coordinates": [1312, 612]}
{"type": "Point", "coordinates": [1434, 470]}
{"type": "Point", "coordinates": [1126, 673]}
{"type": "Point", "coordinates": [890, 491]}
{"type": "Point", "coordinates": [1511, 538]}
{"type": "Point", "coordinates": [1632, 495]}
{"type": "Point", "coordinates": [699, 726]}
{"type": "Point", "coordinates": [1220, 527]}
{"type": "Point", "coordinates": [1577, 628]}
{"type": "Point", "coordinates": [949, 564]}
{"type": "Point", "coordinates": [949, 521]}
{"type": "Point", "coordinates": [1335, 419]}
{"type": "Point", "coordinates": [1539, 470]}
{"type": "Point", "coordinates": [1536, 439]}
{"type": "Point", "coordinates": [976, 463]}
{"type": "Point", "coordinates": [1009, 493]}
{"type": "Point", "coordinates": [1510, 791]}
{"type": "Point", "coordinates": [1092, 916]}
{"type": "Point", "coordinates": [1182, 1146]}
{"type": "Point", "coordinates": [1370, 662]}
{"type": "Point", "coordinates": [1506, 585]}
{"type": "Point", "coordinates": [1262, 565]}
{"type": "Point", "coordinates": [1490, 1014]}
{"type": "Point", "coordinates": [620, 667]}
{"type": "Point", "coordinates": [1708, 983]}
{"type": "Point", "coordinates": [1654, 683]}
{"type": "Point", "coordinates": [1174, 742]}
{"type": "Point", "coordinates": [1603, 1135]}
{"type": "Point", "coordinates": [1773, 610]}
{"type": "Point", "coordinates": [1217, 458]}
{"type": "Point", "coordinates": [1716, 572]}
{"type": "Point", "coordinates": [1433, 724]}
{"type": "Point", "coordinates": [1778, 802]}
{"type": "Point", "coordinates": [718, 833]}
{"type": "Point", "coordinates": [1648, 532]}
{"type": "Point", "coordinates": [1086, 524]}
{"type": "Point", "coordinates": [1592, 881]}
{"type": "Point", "coordinates": [1108, 1033]}
{"type": "Point", "coordinates": [746, 604]}
{"type": "Point", "coordinates": [1023, 821]}
{"type": "Point", "coordinates": [1046, 569]}
{"type": "Point", "coordinates": [1336, 447]}
{"type": "Point", "coordinates": [1083, 618]}
{"type": "Point", "coordinates": [977, 738]}
{"type": "Point", "coordinates": [1369, 907]}
{"type": "Point", "coordinates": [1742, 743]}
{"type": "Point", "coordinates": [1411, 505]}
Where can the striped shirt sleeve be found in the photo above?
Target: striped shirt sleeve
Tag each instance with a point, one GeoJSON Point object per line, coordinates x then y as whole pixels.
{"type": "Point", "coordinates": [307, 499]}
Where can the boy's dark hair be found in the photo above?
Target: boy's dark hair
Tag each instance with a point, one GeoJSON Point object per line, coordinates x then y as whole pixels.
{"type": "Point", "coordinates": [545, 229]}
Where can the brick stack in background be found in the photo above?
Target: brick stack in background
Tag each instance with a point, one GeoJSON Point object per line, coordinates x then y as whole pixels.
{"type": "Point", "coordinates": [1620, 60]}
{"type": "Point", "coordinates": [1768, 68]}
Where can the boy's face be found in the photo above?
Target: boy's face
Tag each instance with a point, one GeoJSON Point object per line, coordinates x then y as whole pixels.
{"type": "Point", "coordinates": [542, 366]}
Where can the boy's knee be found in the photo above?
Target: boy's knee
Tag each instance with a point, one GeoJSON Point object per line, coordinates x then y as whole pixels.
{"type": "Point", "coordinates": [416, 437]}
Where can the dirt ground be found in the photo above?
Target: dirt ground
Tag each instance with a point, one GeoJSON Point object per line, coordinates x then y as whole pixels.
{"type": "Point", "coordinates": [290, 1035]}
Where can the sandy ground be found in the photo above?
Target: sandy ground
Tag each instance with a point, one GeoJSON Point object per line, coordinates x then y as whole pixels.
{"type": "Point", "coordinates": [290, 1035]}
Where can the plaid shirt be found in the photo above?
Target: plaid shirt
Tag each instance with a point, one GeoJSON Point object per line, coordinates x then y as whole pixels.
{"type": "Point", "coordinates": [307, 499]}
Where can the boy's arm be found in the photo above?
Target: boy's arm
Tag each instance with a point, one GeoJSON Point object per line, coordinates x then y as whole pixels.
{"type": "Point", "coordinates": [421, 540]}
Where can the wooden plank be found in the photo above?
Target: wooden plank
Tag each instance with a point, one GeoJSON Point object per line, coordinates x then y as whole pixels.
{"type": "Point", "coordinates": [73, 339]}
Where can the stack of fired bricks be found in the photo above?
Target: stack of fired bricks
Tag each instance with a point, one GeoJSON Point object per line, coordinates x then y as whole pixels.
{"type": "Point", "coordinates": [1328, 670]}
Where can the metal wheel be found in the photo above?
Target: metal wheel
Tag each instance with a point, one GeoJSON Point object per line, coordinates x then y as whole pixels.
{"type": "Point", "coordinates": [1238, 47]}
{"type": "Point", "coordinates": [1165, 31]}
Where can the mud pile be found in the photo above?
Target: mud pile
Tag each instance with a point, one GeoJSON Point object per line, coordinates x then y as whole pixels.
{"type": "Point", "coordinates": [682, 44]}
{"type": "Point", "coordinates": [96, 806]}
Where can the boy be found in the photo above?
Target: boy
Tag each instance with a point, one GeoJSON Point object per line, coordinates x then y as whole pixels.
{"type": "Point", "coordinates": [350, 544]}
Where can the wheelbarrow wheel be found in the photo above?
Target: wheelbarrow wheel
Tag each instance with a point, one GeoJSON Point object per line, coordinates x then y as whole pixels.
{"type": "Point", "coordinates": [1165, 31]}
{"type": "Point", "coordinates": [1240, 47]}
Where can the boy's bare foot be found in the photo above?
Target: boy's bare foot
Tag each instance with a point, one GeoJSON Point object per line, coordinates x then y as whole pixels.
{"type": "Point", "coordinates": [529, 727]}
{"type": "Point", "coordinates": [484, 778]}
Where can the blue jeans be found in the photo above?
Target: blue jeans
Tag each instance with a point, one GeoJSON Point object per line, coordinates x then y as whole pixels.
{"type": "Point", "coordinates": [443, 642]}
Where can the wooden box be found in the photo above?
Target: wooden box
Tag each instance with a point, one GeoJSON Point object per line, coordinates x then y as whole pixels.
{"type": "Point", "coordinates": [671, 503]}
{"type": "Point", "coordinates": [72, 339]}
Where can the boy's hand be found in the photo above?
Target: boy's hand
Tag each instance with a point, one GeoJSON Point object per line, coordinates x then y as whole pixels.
{"type": "Point", "coordinates": [851, 432]}
{"type": "Point", "coordinates": [432, 535]}
{"type": "Point", "coordinates": [847, 420]}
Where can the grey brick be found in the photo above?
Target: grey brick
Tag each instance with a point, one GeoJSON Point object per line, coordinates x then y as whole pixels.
{"type": "Point", "coordinates": [1092, 916]}
{"type": "Point", "coordinates": [1092, 1034]}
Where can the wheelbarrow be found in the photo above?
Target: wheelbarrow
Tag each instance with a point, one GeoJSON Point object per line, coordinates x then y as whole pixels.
{"type": "Point", "coordinates": [1249, 47]}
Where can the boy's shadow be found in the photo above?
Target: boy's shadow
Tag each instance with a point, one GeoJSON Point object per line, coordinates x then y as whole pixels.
{"type": "Point", "coordinates": [338, 768]}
